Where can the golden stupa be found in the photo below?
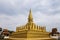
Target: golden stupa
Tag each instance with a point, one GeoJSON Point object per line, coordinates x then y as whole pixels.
{"type": "Point", "coordinates": [30, 30]}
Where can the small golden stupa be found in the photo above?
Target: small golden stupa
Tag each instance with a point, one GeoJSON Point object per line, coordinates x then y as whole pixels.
{"type": "Point", "coordinates": [30, 30]}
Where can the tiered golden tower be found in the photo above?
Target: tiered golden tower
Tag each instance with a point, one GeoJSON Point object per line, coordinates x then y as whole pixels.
{"type": "Point", "coordinates": [30, 29]}
{"type": "Point", "coordinates": [31, 25]}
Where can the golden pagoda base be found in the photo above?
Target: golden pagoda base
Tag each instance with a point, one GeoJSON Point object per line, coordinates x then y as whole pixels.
{"type": "Point", "coordinates": [31, 39]}
{"type": "Point", "coordinates": [30, 34]}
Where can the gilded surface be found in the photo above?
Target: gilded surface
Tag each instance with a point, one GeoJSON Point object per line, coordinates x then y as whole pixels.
{"type": "Point", "coordinates": [30, 30]}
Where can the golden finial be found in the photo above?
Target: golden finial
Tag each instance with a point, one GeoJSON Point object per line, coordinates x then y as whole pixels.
{"type": "Point", "coordinates": [30, 14]}
{"type": "Point", "coordinates": [30, 18]}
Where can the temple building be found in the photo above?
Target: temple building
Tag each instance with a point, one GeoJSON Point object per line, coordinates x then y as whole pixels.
{"type": "Point", "coordinates": [30, 29]}
{"type": "Point", "coordinates": [30, 25]}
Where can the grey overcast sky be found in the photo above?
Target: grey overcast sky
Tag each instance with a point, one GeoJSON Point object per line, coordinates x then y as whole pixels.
{"type": "Point", "coordinates": [14, 13]}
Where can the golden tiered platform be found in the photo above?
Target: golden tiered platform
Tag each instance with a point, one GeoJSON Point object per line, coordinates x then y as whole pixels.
{"type": "Point", "coordinates": [30, 34]}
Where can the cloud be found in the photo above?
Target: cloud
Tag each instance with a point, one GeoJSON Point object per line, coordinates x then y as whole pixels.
{"type": "Point", "coordinates": [50, 21]}
{"type": "Point", "coordinates": [11, 22]}
{"type": "Point", "coordinates": [12, 7]}
{"type": "Point", "coordinates": [15, 12]}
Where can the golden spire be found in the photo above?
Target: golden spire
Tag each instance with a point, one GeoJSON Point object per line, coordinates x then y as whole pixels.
{"type": "Point", "coordinates": [30, 14]}
{"type": "Point", "coordinates": [30, 18]}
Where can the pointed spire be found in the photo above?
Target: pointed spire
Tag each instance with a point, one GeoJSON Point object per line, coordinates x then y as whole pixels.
{"type": "Point", "coordinates": [30, 14]}
{"type": "Point", "coordinates": [30, 18]}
